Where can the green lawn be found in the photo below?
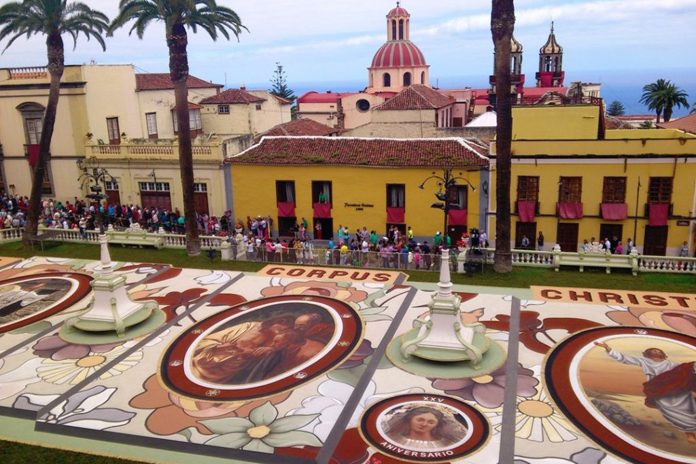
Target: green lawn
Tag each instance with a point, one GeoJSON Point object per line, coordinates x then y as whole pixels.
{"type": "Point", "coordinates": [519, 278]}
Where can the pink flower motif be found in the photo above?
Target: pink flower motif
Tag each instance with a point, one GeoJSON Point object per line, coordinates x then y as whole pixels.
{"type": "Point", "coordinates": [57, 349]}
{"type": "Point", "coordinates": [489, 390]}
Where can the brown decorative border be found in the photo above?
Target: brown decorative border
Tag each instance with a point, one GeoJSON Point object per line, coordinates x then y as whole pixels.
{"type": "Point", "coordinates": [479, 427]}
{"type": "Point", "coordinates": [83, 289]}
{"type": "Point", "coordinates": [172, 369]}
{"type": "Point", "coordinates": [557, 379]}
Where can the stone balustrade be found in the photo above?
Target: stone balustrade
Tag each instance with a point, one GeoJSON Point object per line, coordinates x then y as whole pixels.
{"type": "Point", "coordinates": [34, 72]}
{"type": "Point", "coordinates": [522, 258]}
{"type": "Point", "coordinates": [146, 151]}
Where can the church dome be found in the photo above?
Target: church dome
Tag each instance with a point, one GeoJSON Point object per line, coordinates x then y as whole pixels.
{"type": "Point", "coordinates": [398, 12]}
{"type": "Point", "coordinates": [398, 53]}
{"type": "Point", "coordinates": [515, 45]}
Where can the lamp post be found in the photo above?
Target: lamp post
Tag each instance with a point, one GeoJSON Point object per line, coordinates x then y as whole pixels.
{"type": "Point", "coordinates": [446, 181]}
{"type": "Point", "coordinates": [95, 177]}
{"type": "Point", "coordinates": [635, 217]}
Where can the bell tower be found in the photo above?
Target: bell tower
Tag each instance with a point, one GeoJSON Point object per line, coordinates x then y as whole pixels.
{"type": "Point", "coordinates": [550, 63]}
{"type": "Point", "coordinates": [516, 76]}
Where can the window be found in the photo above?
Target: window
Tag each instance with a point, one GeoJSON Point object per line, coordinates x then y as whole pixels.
{"type": "Point", "coordinates": [223, 109]}
{"type": "Point", "coordinates": [321, 191]}
{"type": "Point", "coordinates": [614, 190]}
{"type": "Point", "coordinates": [111, 185]}
{"type": "Point", "coordinates": [113, 130]}
{"type": "Point", "coordinates": [32, 115]}
{"type": "Point", "coordinates": [47, 185]}
{"type": "Point", "coordinates": [362, 105]}
{"type": "Point", "coordinates": [200, 188]}
{"type": "Point", "coordinates": [151, 121]}
{"type": "Point", "coordinates": [407, 79]}
{"type": "Point", "coordinates": [386, 78]}
{"type": "Point", "coordinates": [393, 23]}
{"type": "Point", "coordinates": [396, 196]}
{"type": "Point", "coordinates": [154, 186]}
{"type": "Point", "coordinates": [528, 188]}
{"type": "Point", "coordinates": [570, 190]}
{"type": "Point", "coordinates": [457, 197]}
{"type": "Point", "coordinates": [285, 191]}
{"type": "Point", "coordinates": [401, 29]}
{"type": "Point", "coordinates": [423, 77]}
{"type": "Point", "coordinates": [258, 107]}
{"type": "Point", "coordinates": [660, 190]}
{"type": "Point", "coordinates": [194, 120]}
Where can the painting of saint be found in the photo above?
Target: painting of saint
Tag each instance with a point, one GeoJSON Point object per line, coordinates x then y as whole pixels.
{"type": "Point", "coordinates": [423, 426]}
{"type": "Point", "coordinates": [262, 345]}
{"type": "Point", "coordinates": [669, 386]}
{"type": "Point", "coordinates": [24, 299]}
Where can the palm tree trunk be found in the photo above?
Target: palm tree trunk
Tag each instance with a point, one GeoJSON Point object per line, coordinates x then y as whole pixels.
{"type": "Point", "coordinates": [179, 71]}
{"type": "Point", "coordinates": [502, 25]}
{"type": "Point", "coordinates": [56, 64]}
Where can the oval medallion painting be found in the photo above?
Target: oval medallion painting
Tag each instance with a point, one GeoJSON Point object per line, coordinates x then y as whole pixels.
{"type": "Point", "coordinates": [630, 389]}
{"type": "Point", "coordinates": [261, 348]}
{"type": "Point", "coordinates": [29, 299]}
{"type": "Point", "coordinates": [424, 428]}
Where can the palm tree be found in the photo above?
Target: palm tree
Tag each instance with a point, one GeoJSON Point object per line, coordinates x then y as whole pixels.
{"type": "Point", "coordinates": [178, 15]}
{"type": "Point", "coordinates": [662, 96]}
{"type": "Point", "coordinates": [502, 26]}
{"type": "Point", "coordinates": [51, 18]}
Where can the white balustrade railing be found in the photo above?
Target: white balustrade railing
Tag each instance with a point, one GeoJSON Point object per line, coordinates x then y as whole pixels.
{"type": "Point", "coordinates": [672, 264]}
{"type": "Point", "coordinates": [529, 258]}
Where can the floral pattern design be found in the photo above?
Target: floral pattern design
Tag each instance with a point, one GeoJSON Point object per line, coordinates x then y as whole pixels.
{"type": "Point", "coordinates": [172, 413]}
{"type": "Point", "coordinates": [677, 321]}
{"type": "Point", "coordinates": [79, 410]}
{"type": "Point", "coordinates": [489, 390]}
{"type": "Point", "coordinates": [338, 290]}
{"type": "Point", "coordinates": [263, 431]}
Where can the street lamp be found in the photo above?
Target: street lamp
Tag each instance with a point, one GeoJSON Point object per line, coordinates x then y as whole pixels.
{"type": "Point", "coordinates": [445, 183]}
{"type": "Point", "coordinates": [95, 177]}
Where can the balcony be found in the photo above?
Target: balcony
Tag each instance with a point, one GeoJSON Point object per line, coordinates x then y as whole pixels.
{"type": "Point", "coordinates": [152, 151]}
{"type": "Point", "coordinates": [36, 72]}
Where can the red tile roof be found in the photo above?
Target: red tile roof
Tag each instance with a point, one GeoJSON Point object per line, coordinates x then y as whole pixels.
{"type": "Point", "coordinates": [398, 54]}
{"type": "Point", "coordinates": [416, 97]}
{"type": "Point", "coordinates": [232, 97]}
{"type": "Point", "coordinates": [687, 124]}
{"type": "Point", "coordinates": [324, 97]}
{"type": "Point", "coordinates": [162, 81]}
{"type": "Point", "coordinates": [348, 151]}
{"type": "Point", "coordinates": [300, 127]}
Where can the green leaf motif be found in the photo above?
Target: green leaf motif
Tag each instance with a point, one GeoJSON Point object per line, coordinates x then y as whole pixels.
{"type": "Point", "coordinates": [288, 423]}
{"type": "Point", "coordinates": [34, 328]}
{"type": "Point", "coordinates": [228, 425]}
{"type": "Point", "coordinates": [258, 446]}
{"type": "Point", "coordinates": [264, 414]}
{"type": "Point", "coordinates": [230, 440]}
{"type": "Point", "coordinates": [292, 438]}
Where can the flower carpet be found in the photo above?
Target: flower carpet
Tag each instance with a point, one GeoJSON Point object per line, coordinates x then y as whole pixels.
{"type": "Point", "coordinates": [288, 366]}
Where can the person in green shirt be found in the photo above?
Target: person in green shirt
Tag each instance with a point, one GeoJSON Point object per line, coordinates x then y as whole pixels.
{"type": "Point", "coordinates": [409, 233]}
{"type": "Point", "coordinates": [437, 239]}
{"type": "Point", "coordinates": [374, 239]}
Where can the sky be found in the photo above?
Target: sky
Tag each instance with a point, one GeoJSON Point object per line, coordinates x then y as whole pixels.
{"type": "Point", "coordinates": [328, 44]}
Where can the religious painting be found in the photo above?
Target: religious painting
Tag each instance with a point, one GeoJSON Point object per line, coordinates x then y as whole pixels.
{"type": "Point", "coordinates": [630, 389]}
{"type": "Point", "coordinates": [424, 428]}
{"type": "Point", "coordinates": [261, 348]}
{"type": "Point", "coordinates": [25, 300]}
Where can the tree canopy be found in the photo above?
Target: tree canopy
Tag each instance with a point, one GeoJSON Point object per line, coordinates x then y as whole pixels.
{"type": "Point", "coordinates": [616, 108]}
{"type": "Point", "coordinates": [279, 83]}
{"type": "Point", "coordinates": [662, 96]}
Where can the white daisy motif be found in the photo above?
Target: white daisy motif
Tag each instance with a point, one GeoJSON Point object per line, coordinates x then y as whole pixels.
{"type": "Point", "coordinates": [74, 371]}
{"type": "Point", "coordinates": [214, 278]}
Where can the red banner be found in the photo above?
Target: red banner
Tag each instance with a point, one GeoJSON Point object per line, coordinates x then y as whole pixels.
{"type": "Point", "coordinates": [322, 210]}
{"type": "Point", "coordinates": [456, 217]}
{"type": "Point", "coordinates": [570, 210]}
{"type": "Point", "coordinates": [526, 210]}
{"type": "Point", "coordinates": [396, 215]}
{"type": "Point", "coordinates": [286, 209]}
{"type": "Point", "coordinates": [614, 211]}
{"type": "Point", "coordinates": [33, 154]}
{"type": "Point", "coordinates": [658, 214]}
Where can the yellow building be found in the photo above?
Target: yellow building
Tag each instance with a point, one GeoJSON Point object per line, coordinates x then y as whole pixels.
{"type": "Point", "coordinates": [358, 182]}
{"type": "Point", "coordinates": [126, 123]}
{"type": "Point", "coordinates": [573, 180]}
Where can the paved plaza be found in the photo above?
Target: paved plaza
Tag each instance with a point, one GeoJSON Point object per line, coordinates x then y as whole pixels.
{"type": "Point", "coordinates": [291, 365]}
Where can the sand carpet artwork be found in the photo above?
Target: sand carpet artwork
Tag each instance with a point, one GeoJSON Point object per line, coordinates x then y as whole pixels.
{"type": "Point", "coordinates": [288, 366]}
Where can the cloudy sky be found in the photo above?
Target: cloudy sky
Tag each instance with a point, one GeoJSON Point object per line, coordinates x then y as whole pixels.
{"type": "Point", "coordinates": [334, 40]}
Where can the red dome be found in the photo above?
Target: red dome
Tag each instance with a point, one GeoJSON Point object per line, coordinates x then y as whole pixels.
{"type": "Point", "coordinates": [397, 54]}
{"type": "Point", "coordinates": [398, 11]}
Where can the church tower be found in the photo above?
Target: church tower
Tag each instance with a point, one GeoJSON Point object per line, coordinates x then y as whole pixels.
{"type": "Point", "coordinates": [516, 76]}
{"type": "Point", "coordinates": [399, 62]}
{"type": "Point", "coordinates": [550, 63]}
